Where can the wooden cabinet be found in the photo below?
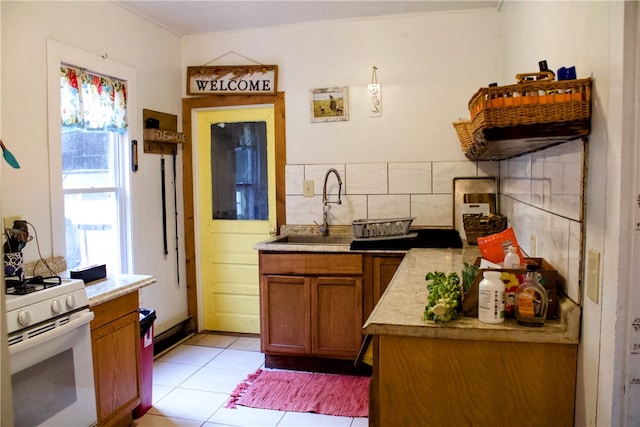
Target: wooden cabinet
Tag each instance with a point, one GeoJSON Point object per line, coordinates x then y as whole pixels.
{"type": "Point", "coordinates": [379, 270]}
{"type": "Point", "coordinates": [311, 304]}
{"type": "Point", "coordinates": [439, 382]}
{"type": "Point", "coordinates": [115, 338]}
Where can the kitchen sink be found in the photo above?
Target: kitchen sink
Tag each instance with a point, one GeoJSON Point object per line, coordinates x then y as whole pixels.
{"type": "Point", "coordinates": [300, 239]}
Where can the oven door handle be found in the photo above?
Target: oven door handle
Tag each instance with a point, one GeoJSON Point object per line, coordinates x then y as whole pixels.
{"type": "Point", "coordinates": [76, 323]}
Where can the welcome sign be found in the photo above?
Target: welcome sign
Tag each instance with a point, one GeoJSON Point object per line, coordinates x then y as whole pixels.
{"type": "Point", "coordinates": [232, 80]}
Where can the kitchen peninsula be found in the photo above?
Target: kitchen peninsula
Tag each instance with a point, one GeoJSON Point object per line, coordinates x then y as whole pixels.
{"type": "Point", "coordinates": [465, 372]}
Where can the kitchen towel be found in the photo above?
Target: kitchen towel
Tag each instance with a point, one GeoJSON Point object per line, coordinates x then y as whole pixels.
{"type": "Point", "coordinates": [329, 394]}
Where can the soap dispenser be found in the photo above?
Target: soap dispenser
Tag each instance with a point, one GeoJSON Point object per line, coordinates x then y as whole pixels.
{"type": "Point", "coordinates": [531, 300]}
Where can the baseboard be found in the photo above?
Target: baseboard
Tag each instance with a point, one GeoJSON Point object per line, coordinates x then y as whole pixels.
{"type": "Point", "coordinates": [316, 364]}
{"type": "Point", "coordinates": [171, 337]}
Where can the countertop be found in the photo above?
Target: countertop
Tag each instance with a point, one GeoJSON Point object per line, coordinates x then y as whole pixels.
{"type": "Point", "coordinates": [114, 286]}
{"type": "Point", "coordinates": [401, 308]}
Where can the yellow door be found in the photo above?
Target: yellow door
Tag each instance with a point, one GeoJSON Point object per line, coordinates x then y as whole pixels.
{"type": "Point", "coordinates": [235, 209]}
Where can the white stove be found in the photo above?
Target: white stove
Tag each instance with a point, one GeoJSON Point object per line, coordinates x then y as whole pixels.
{"type": "Point", "coordinates": [50, 357]}
{"type": "Point", "coordinates": [43, 300]}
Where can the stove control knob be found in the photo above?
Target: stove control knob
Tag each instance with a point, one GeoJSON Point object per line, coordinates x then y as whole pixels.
{"type": "Point", "coordinates": [24, 317]}
{"type": "Point", "coordinates": [72, 301]}
{"type": "Point", "coordinates": [56, 307]}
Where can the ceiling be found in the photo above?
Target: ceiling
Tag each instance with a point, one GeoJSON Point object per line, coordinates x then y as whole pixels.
{"type": "Point", "coordinates": [197, 17]}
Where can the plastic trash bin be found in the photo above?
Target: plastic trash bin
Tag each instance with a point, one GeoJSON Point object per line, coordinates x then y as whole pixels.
{"type": "Point", "coordinates": [146, 361]}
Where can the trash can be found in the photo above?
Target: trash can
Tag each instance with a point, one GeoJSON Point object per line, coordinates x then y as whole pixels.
{"type": "Point", "coordinates": [146, 361]}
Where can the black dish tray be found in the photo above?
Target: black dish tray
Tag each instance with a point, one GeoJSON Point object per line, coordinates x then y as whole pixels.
{"type": "Point", "coordinates": [426, 238]}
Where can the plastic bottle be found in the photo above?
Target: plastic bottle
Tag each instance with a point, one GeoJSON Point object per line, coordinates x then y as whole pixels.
{"type": "Point", "coordinates": [511, 259]}
{"type": "Point", "coordinates": [531, 300]}
{"type": "Point", "coordinates": [491, 298]}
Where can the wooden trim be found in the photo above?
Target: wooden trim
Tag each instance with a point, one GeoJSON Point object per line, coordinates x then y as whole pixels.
{"type": "Point", "coordinates": [188, 104]}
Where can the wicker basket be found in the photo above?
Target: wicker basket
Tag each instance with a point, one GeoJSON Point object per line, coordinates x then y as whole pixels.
{"type": "Point", "coordinates": [481, 225]}
{"type": "Point", "coordinates": [465, 134]}
{"type": "Point", "coordinates": [531, 102]}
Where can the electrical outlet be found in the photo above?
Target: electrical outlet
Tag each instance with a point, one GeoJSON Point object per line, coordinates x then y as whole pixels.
{"type": "Point", "coordinates": [307, 188]}
{"type": "Point", "coordinates": [593, 275]}
{"type": "Point", "coordinates": [532, 245]}
{"type": "Point", "coordinates": [8, 220]}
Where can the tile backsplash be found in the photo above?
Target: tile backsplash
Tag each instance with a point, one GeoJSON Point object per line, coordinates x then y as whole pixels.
{"type": "Point", "coordinates": [423, 190]}
{"type": "Point", "coordinates": [540, 193]}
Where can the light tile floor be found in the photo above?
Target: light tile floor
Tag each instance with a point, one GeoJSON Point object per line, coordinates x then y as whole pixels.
{"type": "Point", "coordinates": [192, 383]}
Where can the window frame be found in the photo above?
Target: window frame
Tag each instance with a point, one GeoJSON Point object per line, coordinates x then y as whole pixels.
{"type": "Point", "coordinates": [58, 54]}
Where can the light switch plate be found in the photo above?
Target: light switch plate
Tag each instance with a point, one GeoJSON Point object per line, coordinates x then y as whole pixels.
{"type": "Point", "coordinates": [593, 275]}
{"type": "Point", "coordinates": [307, 188]}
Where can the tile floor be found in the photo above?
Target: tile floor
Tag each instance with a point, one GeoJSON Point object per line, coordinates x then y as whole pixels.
{"type": "Point", "coordinates": [192, 383]}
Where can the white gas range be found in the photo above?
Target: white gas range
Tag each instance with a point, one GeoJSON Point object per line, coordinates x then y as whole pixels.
{"type": "Point", "coordinates": [50, 352]}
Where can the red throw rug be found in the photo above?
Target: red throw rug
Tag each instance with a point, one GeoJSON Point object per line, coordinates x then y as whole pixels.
{"type": "Point", "coordinates": [329, 394]}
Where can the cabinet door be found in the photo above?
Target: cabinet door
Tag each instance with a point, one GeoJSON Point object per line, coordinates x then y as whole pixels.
{"type": "Point", "coordinates": [116, 368]}
{"type": "Point", "coordinates": [379, 270]}
{"type": "Point", "coordinates": [284, 314]}
{"type": "Point", "coordinates": [383, 270]}
{"type": "Point", "coordinates": [336, 310]}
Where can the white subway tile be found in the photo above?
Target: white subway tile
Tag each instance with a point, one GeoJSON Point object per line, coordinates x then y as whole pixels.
{"type": "Point", "coordinates": [294, 177]}
{"type": "Point", "coordinates": [388, 206]}
{"type": "Point", "coordinates": [367, 178]}
{"type": "Point", "coordinates": [409, 178]}
{"type": "Point", "coordinates": [444, 172]}
{"type": "Point", "coordinates": [432, 210]}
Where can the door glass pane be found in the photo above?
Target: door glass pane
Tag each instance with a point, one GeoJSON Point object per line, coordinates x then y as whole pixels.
{"type": "Point", "coordinates": [239, 171]}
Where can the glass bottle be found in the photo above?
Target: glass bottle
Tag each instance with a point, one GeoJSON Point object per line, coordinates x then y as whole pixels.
{"type": "Point", "coordinates": [511, 258]}
{"type": "Point", "coordinates": [531, 300]}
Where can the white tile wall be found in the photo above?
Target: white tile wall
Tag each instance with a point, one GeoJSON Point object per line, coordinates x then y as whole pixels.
{"type": "Point", "coordinates": [381, 190]}
{"type": "Point", "coordinates": [540, 193]}
{"type": "Point", "coordinates": [541, 196]}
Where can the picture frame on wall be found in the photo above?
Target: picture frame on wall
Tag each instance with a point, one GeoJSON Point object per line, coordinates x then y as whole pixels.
{"type": "Point", "coordinates": [330, 104]}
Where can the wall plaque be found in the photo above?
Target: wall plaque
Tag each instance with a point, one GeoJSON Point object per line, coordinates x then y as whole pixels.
{"type": "Point", "coordinates": [232, 80]}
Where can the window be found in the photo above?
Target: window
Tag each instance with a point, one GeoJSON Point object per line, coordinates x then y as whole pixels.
{"type": "Point", "coordinates": [94, 184]}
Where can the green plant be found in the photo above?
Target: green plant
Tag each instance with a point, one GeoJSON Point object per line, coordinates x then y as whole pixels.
{"type": "Point", "coordinates": [444, 296]}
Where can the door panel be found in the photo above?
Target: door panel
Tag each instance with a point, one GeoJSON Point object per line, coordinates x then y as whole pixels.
{"type": "Point", "coordinates": [228, 265]}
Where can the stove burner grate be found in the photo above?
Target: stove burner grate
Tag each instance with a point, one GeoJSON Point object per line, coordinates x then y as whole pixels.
{"type": "Point", "coordinates": [17, 286]}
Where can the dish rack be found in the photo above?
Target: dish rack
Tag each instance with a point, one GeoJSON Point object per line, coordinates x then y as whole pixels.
{"type": "Point", "coordinates": [381, 228]}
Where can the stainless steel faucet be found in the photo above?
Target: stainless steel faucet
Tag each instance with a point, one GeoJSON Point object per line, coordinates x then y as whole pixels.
{"type": "Point", "coordinates": [324, 228]}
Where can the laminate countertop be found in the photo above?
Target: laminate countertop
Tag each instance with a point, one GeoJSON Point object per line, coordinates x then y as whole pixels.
{"type": "Point", "coordinates": [400, 311]}
{"type": "Point", "coordinates": [115, 286]}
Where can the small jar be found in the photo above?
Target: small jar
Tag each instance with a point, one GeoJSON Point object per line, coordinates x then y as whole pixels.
{"type": "Point", "coordinates": [511, 258]}
{"type": "Point", "coordinates": [491, 298]}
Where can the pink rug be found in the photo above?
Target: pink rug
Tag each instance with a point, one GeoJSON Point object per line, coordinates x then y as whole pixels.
{"type": "Point", "coordinates": [329, 394]}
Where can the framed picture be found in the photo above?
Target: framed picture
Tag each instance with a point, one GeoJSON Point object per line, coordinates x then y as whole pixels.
{"type": "Point", "coordinates": [329, 104]}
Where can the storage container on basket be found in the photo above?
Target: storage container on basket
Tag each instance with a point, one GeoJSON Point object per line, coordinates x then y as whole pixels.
{"type": "Point", "coordinates": [531, 102]}
{"type": "Point", "coordinates": [480, 225]}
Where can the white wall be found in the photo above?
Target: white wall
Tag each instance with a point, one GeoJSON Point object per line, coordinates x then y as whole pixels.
{"type": "Point", "coordinates": [6, 406]}
{"type": "Point", "coordinates": [399, 164]}
{"type": "Point", "coordinates": [588, 35]}
{"type": "Point", "coordinates": [99, 28]}
{"type": "Point", "coordinates": [428, 66]}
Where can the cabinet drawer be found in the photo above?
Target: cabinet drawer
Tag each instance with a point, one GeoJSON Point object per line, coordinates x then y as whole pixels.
{"type": "Point", "coordinates": [114, 309]}
{"type": "Point", "coordinates": [311, 264]}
